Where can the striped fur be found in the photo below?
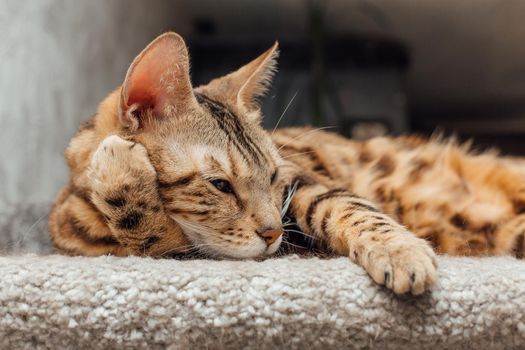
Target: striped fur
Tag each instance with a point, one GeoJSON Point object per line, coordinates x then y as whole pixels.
{"type": "Point", "coordinates": [199, 174]}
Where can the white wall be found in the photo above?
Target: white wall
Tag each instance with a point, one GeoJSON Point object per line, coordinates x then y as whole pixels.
{"type": "Point", "coordinates": [58, 59]}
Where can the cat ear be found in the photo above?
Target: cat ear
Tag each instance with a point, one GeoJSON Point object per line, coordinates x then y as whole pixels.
{"type": "Point", "coordinates": [257, 76]}
{"type": "Point", "coordinates": [157, 83]}
{"type": "Point", "coordinates": [244, 86]}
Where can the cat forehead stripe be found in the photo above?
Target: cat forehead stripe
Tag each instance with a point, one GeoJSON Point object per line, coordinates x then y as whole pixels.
{"type": "Point", "coordinates": [232, 127]}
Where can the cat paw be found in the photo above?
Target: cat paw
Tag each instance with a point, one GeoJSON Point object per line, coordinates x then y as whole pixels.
{"type": "Point", "coordinates": [117, 160]}
{"type": "Point", "coordinates": [402, 262]}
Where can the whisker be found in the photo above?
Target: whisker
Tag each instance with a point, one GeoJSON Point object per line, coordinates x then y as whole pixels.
{"type": "Point", "coordinates": [190, 246]}
{"type": "Point", "coordinates": [197, 249]}
{"type": "Point", "coordinates": [302, 233]}
{"type": "Point", "coordinates": [293, 245]}
{"type": "Point", "coordinates": [23, 235]}
{"type": "Point", "coordinates": [203, 245]}
{"type": "Point", "coordinates": [297, 154]}
{"type": "Point", "coordinates": [284, 112]}
{"type": "Point", "coordinates": [196, 254]}
{"type": "Point", "coordinates": [176, 250]}
{"type": "Point", "coordinates": [289, 197]}
{"type": "Point", "coordinates": [305, 134]}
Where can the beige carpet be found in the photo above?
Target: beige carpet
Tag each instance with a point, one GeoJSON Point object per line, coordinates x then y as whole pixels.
{"type": "Point", "coordinates": [292, 303]}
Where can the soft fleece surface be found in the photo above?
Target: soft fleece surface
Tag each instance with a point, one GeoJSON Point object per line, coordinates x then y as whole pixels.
{"type": "Point", "coordinates": [99, 303]}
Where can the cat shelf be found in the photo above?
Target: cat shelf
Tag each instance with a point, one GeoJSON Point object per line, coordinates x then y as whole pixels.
{"type": "Point", "coordinates": [288, 302]}
{"type": "Point", "coordinates": [51, 301]}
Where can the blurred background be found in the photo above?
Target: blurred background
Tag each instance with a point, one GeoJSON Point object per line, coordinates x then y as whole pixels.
{"type": "Point", "coordinates": [364, 67]}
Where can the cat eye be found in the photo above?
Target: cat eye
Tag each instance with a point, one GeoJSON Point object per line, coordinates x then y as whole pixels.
{"type": "Point", "coordinates": [274, 177]}
{"type": "Point", "coordinates": [222, 185]}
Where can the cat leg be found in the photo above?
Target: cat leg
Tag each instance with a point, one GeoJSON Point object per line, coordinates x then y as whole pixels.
{"type": "Point", "coordinates": [355, 227]}
{"type": "Point", "coordinates": [509, 238]}
{"type": "Point", "coordinates": [124, 189]}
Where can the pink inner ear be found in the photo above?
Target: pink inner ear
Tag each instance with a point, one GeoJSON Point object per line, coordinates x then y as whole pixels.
{"type": "Point", "coordinates": [148, 79]}
{"type": "Point", "coordinates": [142, 94]}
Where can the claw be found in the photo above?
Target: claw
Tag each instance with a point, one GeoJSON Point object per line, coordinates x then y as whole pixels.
{"type": "Point", "coordinates": [387, 278]}
{"type": "Point", "coordinates": [413, 277]}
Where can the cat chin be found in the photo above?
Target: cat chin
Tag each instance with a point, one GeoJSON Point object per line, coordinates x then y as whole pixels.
{"type": "Point", "coordinates": [254, 248]}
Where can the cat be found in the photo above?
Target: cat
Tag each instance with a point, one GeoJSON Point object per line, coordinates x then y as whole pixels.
{"type": "Point", "coordinates": [164, 169]}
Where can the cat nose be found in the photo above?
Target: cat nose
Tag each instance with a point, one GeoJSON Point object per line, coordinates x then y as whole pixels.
{"type": "Point", "coordinates": [270, 235]}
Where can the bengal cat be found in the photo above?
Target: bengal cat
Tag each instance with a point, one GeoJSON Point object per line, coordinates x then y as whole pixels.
{"type": "Point", "coordinates": [164, 168]}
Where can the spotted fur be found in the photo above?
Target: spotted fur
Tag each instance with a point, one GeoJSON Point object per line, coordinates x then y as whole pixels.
{"type": "Point", "coordinates": [164, 169]}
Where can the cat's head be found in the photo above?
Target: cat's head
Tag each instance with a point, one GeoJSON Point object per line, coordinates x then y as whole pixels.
{"type": "Point", "coordinates": [218, 169]}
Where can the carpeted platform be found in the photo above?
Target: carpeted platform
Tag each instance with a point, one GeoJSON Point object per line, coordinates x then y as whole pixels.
{"type": "Point", "coordinates": [57, 302]}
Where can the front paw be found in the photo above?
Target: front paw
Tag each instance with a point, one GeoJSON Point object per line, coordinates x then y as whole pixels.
{"type": "Point", "coordinates": [117, 160]}
{"type": "Point", "coordinates": [400, 261]}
